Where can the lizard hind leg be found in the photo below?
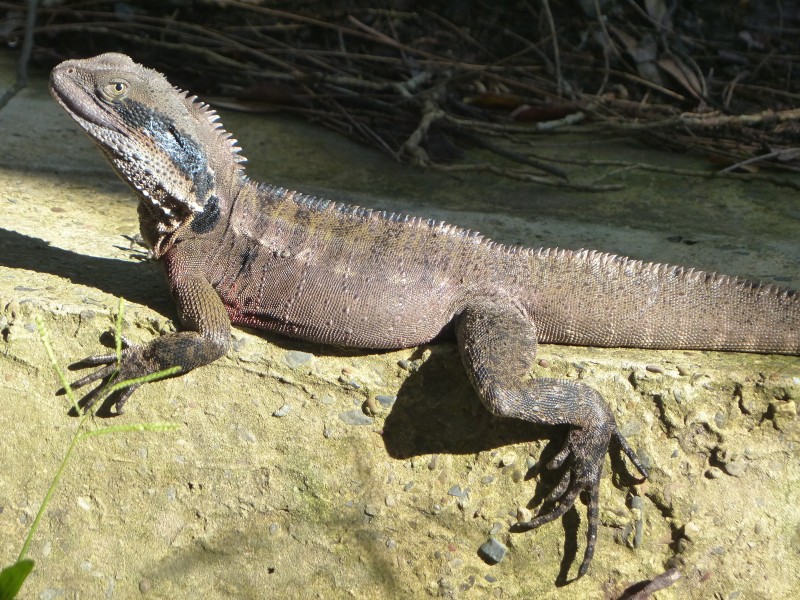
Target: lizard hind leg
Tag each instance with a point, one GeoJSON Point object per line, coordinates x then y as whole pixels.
{"type": "Point", "coordinates": [498, 343]}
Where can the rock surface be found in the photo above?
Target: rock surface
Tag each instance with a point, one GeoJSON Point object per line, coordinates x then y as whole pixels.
{"type": "Point", "coordinates": [239, 503]}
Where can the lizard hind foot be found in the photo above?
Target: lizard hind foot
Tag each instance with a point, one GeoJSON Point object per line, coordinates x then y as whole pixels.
{"type": "Point", "coordinates": [587, 450]}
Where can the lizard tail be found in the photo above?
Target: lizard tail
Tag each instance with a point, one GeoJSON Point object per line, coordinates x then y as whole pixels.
{"type": "Point", "coordinates": [592, 298]}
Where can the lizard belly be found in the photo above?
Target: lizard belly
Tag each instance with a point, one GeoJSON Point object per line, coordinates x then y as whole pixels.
{"type": "Point", "coordinates": [362, 308]}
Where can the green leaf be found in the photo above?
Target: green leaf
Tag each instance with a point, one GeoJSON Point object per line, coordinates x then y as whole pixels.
{"type": "Point", "coordinates": [144, 379]}
{"type": "Point", "coordinates": [134, 427]}
{"type": "Point", "coordinates": [12, 578]}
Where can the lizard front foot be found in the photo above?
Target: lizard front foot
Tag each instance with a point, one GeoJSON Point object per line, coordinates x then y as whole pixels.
{"type": "Point", "coordinates": [165, 356]}
{"type": "Point", "coordinates": [131, 364]}
{"type": "Point", "coordinates": [587, 449]}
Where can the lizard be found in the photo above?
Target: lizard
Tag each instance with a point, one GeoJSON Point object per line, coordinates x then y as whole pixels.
{"type": "Point", "coordinates": [240, 252]}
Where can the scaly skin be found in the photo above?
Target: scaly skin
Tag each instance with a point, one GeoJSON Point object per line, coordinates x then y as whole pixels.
{"type": "Point", "coordinates": [238, 252]}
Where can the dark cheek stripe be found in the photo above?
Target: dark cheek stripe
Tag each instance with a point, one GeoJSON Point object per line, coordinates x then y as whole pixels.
{"type": "Point", "coordinates": [184, 152]}
{"type": "Point", "coordinates": [206, 220]}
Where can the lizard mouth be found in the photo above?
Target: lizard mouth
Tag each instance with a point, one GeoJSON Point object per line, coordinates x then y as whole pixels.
{"type": "Point", "coordinates": [80, 104]}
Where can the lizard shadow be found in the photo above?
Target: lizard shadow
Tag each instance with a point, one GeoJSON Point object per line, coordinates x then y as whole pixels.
{"type": "Point", "coordinates": [142, 283]}
{"type": "Point", "coordinates": [438, 411]}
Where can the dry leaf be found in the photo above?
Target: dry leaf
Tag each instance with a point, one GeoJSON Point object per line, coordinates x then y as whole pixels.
{"type": "Point", "coordinates": [683, 75]}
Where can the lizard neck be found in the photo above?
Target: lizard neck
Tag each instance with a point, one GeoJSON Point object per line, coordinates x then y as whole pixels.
{"type": "Point", "coordinates": [160, 232]}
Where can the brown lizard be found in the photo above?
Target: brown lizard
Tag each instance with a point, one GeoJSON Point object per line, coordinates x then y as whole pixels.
{"type": "Point", "coordinates": [236, 251]}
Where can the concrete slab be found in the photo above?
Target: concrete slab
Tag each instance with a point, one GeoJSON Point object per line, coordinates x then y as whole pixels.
{"type": "Point", "coordinates": [277, 484]}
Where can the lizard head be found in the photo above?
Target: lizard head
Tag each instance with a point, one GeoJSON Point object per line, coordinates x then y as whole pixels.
{"type": "Point", "coordinates": [164, 143]}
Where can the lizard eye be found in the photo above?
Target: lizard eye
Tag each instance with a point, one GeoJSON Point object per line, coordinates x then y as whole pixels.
{"type": "Point", "coordinates": [114, 90]}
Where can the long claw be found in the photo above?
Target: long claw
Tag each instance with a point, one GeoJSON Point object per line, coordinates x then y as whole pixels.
{"type": "Point", "coordinates": [109, 367]}
{"type": "Point", "coordinates": [123, 398]}
{"type": "Point", "coordinates": [563, 506]}
{"type": "Point", "coordinates": [626, 448]}
{"type": "Point", "coordinates": [93, 361]}
{"type": "Point", "coordinates": [560, 488]}
{"type": "Point", "coordinates": [89, 399]}
{"type": "Point", "coordinates": [97, 375]}
{"type": "Point", "coordinates": [559, 458]}
{"type": "Point", "coordinates": [593, 516]}
{"type": "Point", "coordinates": [581, 476]}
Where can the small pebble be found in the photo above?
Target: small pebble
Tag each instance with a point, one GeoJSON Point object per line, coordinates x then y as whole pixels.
{"type": "Point", "coordinates": [492, 551]}
{"type": "Point", "coordinates": [282, 411]}
{"type": "Point", "coordinates": [390, 500]}
{"type": "Point", "coordinates": [734, 468]}
{"type": "Point", "coordinates": [386, 401]}
{"type": "Point", "coordinates": [296, 359]}
{"type": "Point", "coordinates": [355, 417]}
{"type": "Point", "coordinates": [445, 587]}
{"type": "Point", "coordinates": [496, 528]}
{"type": "Point", "coordinates": [487, 479]}
{"type": "Point", "coordinates": [274, 528]}
{"type": "Point", "coordinates": [655, 369]}
{"type": "Point", "coordinates": [508, 459]}
{"type": "Point", "coordinates": [408, 487]}
{"type": "Point", "coordinates": [524, 514]}
{"type": "Point", "coordinates": [691, 530]}
{"type": "Point", "coordinates": [145, 585]}
{"type": "Point", "coordinates": [349, 382]}
{"type": "Point", "coordinates": [457, 492]}
{"type": "Point", "coordinates": [371, 406]}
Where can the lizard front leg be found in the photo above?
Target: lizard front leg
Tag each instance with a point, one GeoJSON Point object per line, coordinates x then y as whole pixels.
{"type": "Point", "coordinates": [206, 337]}
{"type": "Point", "coordinates": [498, 343]}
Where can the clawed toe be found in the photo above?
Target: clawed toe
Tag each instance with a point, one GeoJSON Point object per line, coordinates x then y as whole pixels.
{"type": "Point", "coordinates": [109, 367]}
{"type": "Point", "coordinates": [566, 494]}
{"type": "Point", "coordinates": [93, 361]}
{"type": "Point", "coordinates": [582, 474]}
{"type": "Point", "coordinates": [103, 373]}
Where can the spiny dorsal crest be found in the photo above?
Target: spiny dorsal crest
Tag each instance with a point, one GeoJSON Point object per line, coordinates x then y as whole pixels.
{"type": "Point", "coordinates": [204, 113]}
